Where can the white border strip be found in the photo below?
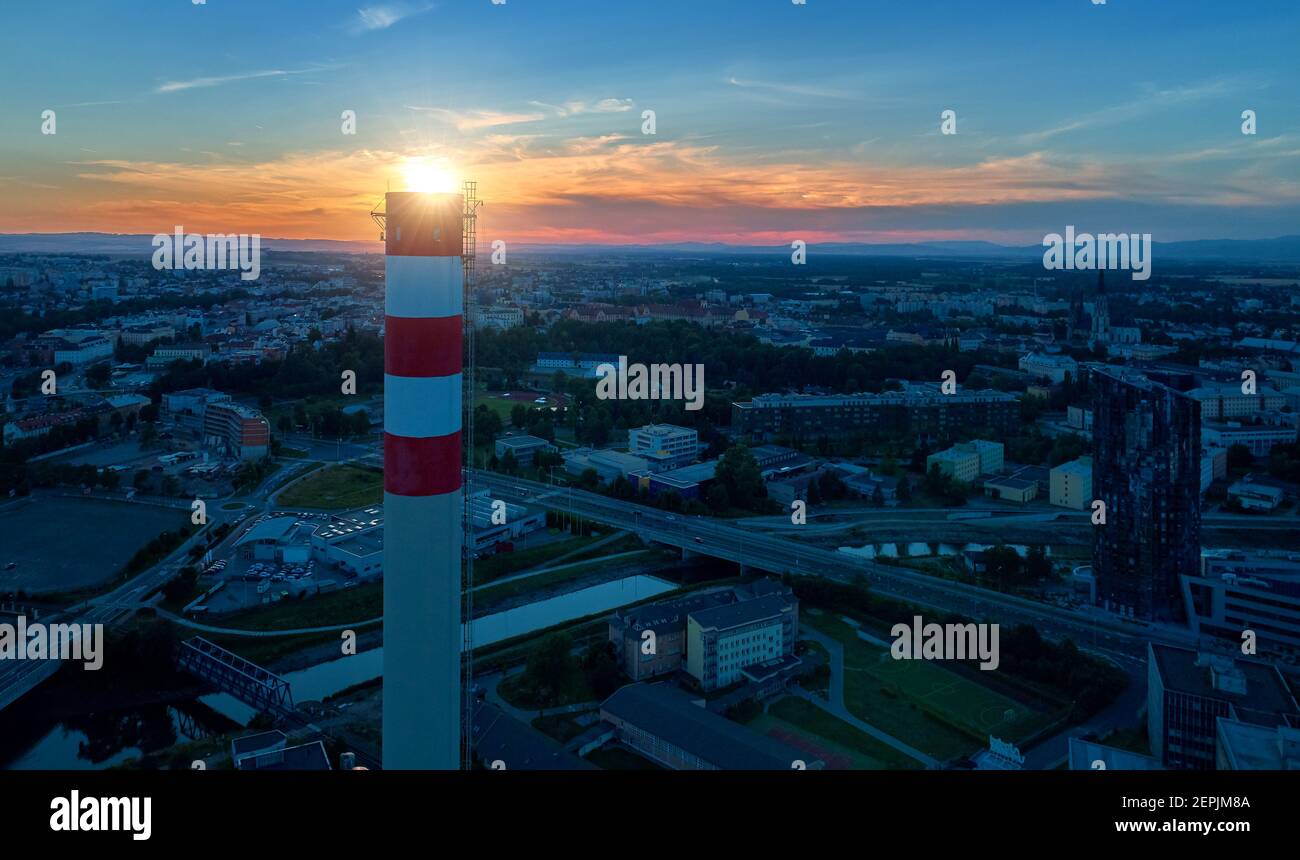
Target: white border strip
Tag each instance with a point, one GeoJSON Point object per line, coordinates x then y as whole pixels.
{"type": "Point", "coordinates": [422, 406]}
{"type": "Point", "coordinates": [424, 287]}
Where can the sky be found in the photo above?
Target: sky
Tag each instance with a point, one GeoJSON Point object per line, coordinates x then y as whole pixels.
{"type": "Point", "coordinates": [773, 121]}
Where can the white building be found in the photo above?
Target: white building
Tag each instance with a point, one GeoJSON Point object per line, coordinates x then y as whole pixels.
{"type": "Point", "coordinates": [1260, 438]}
{"type": "Point", "coordinates": [1051, 367]}
{"type": "Point", "coordinates": [672, 446]}
{"type": "Point", "coordinates": [1070, 484]}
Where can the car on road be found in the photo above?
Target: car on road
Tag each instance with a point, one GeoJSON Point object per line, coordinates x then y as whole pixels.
{"type": "Point", "coordinates": [699, 540]}
{"type": "Point", "coordinates": [11, 565]}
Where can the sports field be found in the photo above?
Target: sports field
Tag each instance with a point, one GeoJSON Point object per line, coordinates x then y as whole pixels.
{"type": "Point", "coordinates": [922, 703]}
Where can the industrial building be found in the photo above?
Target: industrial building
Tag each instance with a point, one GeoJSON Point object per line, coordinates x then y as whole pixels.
{"type": "Point", "coordinates": [1259, 439]}
{"type": "Point", "coordinates": [1018, 491]}
{"type": "Point", "coordinates": [663, 724]}
{"type": "Point", "coordinates": [523, 448]}
{"type": "Point", "coordinates": [485, 534]}
{"type": "Point", "coordinates": [236, 431]}
{"type": "Point", "coordinates": [270, 750]}
{"type": "Point", "coordinates": [714, 636]}
{"type": "Point", "coordinates": [1052, 367]}
{"type": "Point", "coordinates": [966, 461]}
{"type": "Point", "coordinates": [1071, 484]}
{"type": "Point", "coordinates": [665, 445]}
{"type": "Point", "coordinates": [725, 641]}
{"type": "Point", "coordinates": [1243, 746]}
{"type": "Point", "coordinates": [1237, 590]}
{"type": "Point", "coordinates": [1187, 693]}
{"type": "Point", "coordinates": [188, 407]}
{"type": "Point", "coordinates": [608, 465]}
{"type": "Point", "coordinates": [920, 409]}
{"type": "Point", "coordinates": [688, 481]}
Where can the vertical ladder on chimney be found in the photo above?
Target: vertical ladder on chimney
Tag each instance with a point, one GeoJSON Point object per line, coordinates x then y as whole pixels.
{"type": "Point", "coordinates": [469, 381]}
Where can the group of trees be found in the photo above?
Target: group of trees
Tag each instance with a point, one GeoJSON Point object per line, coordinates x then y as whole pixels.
{"type": "Point", "coordinates": [735, 358]}
{"type": "Point", "coordinates": [1003, 566]}
{"type": "Point", "coordinates": [305, 371]}
{"type": "Point", "coordinates": [737, 482]}
{"type": "Point", "coordinates": [554, 674]}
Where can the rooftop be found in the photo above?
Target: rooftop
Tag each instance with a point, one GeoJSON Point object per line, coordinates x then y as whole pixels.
{"type": "Point", "coordinates": [1259, 695]}
{"type": "Point", "coordinates": [739, 614]}
{"type": "Point", "coordinates": [667, 713]}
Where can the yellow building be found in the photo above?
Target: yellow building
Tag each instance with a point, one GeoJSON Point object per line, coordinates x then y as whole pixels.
{"type": "Point", "coordinates": [1070, 484]}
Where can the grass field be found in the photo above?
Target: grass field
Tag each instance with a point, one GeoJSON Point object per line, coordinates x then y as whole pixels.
{"type": "Point", "coordinates": [495, 594]}
{"type": "Point", "coordinates": [921, 703]}
{"type": "Point", "coordinates": [820, 735]}
{"type": "Point", "coordinates": [499, 405]}
{"type": "Point", "coordinates": [359, 603]}
{"type": "Point", "coordinates": [503, 564]}
{"type": "Point", "coordinates": [336, 488]}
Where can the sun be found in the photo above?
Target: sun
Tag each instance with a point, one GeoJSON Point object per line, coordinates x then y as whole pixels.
{"type": "Point", "coordinates": [429, 175]}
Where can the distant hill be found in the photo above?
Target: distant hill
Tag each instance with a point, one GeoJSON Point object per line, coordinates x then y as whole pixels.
{"type": "Point", "coordinates": [1284, 249]}
{"type": "Point", "coordinates": [141, 243]}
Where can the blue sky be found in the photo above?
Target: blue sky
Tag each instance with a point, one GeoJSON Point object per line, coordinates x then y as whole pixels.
{"type": "Point", "coordinates": [772, 119]}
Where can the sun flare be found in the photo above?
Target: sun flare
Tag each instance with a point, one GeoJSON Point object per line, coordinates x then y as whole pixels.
{"type": "Point", "coordinates": [428, 175]}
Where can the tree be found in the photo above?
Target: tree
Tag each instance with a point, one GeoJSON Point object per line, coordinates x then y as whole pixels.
{"type": "Point", "coordinates": [181, 586]}
{"type": "Point", "coordinates": [1037, 564]}
{"type": "Point", "coordinates": [550, 666]}
{"type": "Point", "coordinates": [1002, 564]}
{"type": "Point", "coordinates": [487, 424]}
{"type": "Point", "coordinates": [878, 497]}
{"type": "Point", "coordinates": [519, 415]}
{"type": "Point", "coordinates": [717, 499]}
{"type": "Point", "coordinates": [1239, 457]}
{"type": "Point", "coordinates": [601, 667]}
{"type": "Point", "coordinates": [738, 472]}
{"type": "Point", "coordinates": [97, 374]}
{"type": "Point", "coordinates": [904, 491]}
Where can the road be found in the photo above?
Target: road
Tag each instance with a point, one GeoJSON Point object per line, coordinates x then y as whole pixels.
{"type": "Point", "coordinates": [780, 555]}
{"type": "Point", "coordinates": [17, 678]}
{"type": "Point", "coordinates": [1122, 643]}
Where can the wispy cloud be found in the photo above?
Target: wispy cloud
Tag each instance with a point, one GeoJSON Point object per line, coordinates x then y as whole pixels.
{"type": "Point", "coordinates": [578, 107]}
{"type": "Point", "coordinates": [789, 89]}
{"type": "Point", "coordinates": [371, 18]}
{"type": "Point", "coordinates": [476, 119]}
{"type": "Point", "coordinates": [1134, 109]}
{"type": "Point", "coordinates": [219, 80]}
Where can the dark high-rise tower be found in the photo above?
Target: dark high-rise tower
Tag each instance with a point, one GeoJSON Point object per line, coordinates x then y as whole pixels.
{"type": "Point", "coordinates": [1100, 314]}
{"type": "Point", "coordinates": [1146, 468]}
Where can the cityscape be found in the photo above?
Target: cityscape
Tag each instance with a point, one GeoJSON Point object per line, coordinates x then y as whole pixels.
{"type": "Point", "coordinates": [776, 412]}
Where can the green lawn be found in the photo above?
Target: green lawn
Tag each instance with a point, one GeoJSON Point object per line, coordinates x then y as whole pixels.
{"type": "Point", "coordinates": [346, 605]}
{"type": "Point", "coordinates": [517, 692]}
{"type": "Point", "coordinates": [499, 405]}
{"type": "Point", "coordinates": [921, 703]}
{"type": "Point", "coordinates": [335, 488]}
{"type": "Point", "coordinates": [506, 563]}
{"type": "Point", "coordinates": [498, 593]}
{"type": "Point", "coordinates": [806, 727]}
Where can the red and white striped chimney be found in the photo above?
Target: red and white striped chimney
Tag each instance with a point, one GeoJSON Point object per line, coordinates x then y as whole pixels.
{"type": "Point", "coordinates": [423, 307]}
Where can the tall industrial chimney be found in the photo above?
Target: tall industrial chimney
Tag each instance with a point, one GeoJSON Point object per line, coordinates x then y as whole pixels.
{"type": "Point", "coordinates": [423, 306]}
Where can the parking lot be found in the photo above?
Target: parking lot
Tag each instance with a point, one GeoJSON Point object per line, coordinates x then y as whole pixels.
{"type": "Point", "coordinates": [251, 582]}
